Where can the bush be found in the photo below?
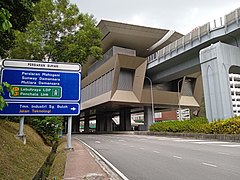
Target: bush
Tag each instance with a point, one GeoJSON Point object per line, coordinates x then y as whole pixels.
{"type": "Point", "coordinates": [228, 126]}
{"type": "Point", "coordinates": [194, 125]}
{"type": "Point", "coordinates": [199, 125]}
{"type": "Point", "coordinates": [49, 127]}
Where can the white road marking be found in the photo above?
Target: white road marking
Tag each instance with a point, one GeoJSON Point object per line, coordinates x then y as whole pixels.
{"type": "Point", "coordinates": [211, 165]}
{"type": "Point", "coordinates": [98, 142]}
{"type": "Point", "coordinates": [142, 148]}
{"type": "Point", "coordinates": [211, 142]}
{"type": "Point", "coordinates": [132, 146]}
{"type": "Point", "coordinates": [231, 145]}
{"type": "Point", "coordinates": [178, 157]}
{"type": "Point", "coordinates": [168, 138]}
{"type": "Point", "coordinates": [105, 160]}
{"type": "Point", "coordinates": [223, 153]}
{"type": "Point", "coordinates": [188, 140]}
{"type": "Point", "coordinates": [121, 140]}
{"type": "Point", "coordinates": [156, 152]}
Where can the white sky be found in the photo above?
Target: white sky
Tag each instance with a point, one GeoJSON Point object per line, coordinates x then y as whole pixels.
{"type": "Point", "coordinates": [178, 15]}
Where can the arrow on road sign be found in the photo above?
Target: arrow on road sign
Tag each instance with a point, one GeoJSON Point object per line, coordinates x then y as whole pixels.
{"type": "Point", "coordinates": [73, 108]}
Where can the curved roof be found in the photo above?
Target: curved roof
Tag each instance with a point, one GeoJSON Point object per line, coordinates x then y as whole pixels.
{"type": "Point", "coordinates": [145, 40]}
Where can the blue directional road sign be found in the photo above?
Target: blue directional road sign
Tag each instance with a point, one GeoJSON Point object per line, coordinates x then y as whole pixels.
{"type": "Point", "coordinates": [41, 109]}
{"type": "Point", "coordinates": [39, 85]}
{"type": "Point", "coordinates": [41, 88]}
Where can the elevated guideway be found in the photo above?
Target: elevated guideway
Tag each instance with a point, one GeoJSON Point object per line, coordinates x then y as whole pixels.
{"type": "Point", "coordinates": [181, 57]}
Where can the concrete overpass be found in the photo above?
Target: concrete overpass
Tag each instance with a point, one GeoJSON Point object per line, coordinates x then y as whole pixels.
{"type": "Point", "coordinates": [187, 56]}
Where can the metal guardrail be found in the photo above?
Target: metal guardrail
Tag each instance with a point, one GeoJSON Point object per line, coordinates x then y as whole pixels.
{"type": "Point", "coordinates": [197, 33]}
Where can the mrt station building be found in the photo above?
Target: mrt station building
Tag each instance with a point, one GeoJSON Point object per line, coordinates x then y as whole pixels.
{"type": "Point", "coordinates": [119, 85]}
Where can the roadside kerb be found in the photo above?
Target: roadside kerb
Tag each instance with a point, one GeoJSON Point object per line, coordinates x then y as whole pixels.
{"type": "Point", "coordinates": [218, 137]}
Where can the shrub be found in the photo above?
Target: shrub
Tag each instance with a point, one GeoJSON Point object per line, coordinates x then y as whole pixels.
{"type": "Point", "coordinates": [194, 125]}
{"type": "Point", "coordinates": [199, 125]}
{"type": "Point", "coordinates": [49, 127]}
{"type": "Point", "coordinates": [228, 126]}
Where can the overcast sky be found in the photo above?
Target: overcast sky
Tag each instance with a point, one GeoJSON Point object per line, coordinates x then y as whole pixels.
{"type": "Point", "coordinates": [179, 15]}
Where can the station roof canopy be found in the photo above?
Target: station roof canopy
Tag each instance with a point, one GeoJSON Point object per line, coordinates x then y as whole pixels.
{"type": "Point", "coordinates": [145, 40]}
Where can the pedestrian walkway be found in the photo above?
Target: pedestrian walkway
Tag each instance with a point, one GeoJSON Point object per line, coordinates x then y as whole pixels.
{"type": "Point", "coordinates": [81, 164]}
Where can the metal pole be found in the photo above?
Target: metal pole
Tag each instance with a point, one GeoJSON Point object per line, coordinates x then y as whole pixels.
{"type": "Point", "coordinates": [153, 113]}
{"type": "Point", "coordinates": [69, 134]}
{"type": "Point", "coordinates": [21, 124]}
{"type": "Point", "coordinates": [179, 106]}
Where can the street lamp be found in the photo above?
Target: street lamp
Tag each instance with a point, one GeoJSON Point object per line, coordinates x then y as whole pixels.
{"type": "Point", "coordinates": [153, 114]}
{"type": "Point", "coordinates": [179, 106]}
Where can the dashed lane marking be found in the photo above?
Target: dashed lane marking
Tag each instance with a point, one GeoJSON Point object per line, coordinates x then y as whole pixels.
{"type": "Point", "coordinates": [187, 140]}
{"type": "Point", "coordinates": [231, 145]}
{"type": "Point", "coordinates": [178, 157]}
{"type": "Point", "coordinates": [208, 164]}
{"type": "Point", "coordinates": [211, 142]}
{"type": "Point", "coordinates": [223, 153]}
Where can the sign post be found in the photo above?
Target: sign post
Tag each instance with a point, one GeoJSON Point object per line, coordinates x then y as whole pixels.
{"type": "Point", "coordinates": [41, 89]}
{"type": "Point", "coordinates": [69, 134]}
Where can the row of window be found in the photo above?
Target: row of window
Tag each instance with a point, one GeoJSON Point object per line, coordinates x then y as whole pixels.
{"type": "Point", "coordinates": [98, 87]}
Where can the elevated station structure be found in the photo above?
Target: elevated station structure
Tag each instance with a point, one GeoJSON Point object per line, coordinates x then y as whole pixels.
{"type": "Point", "coordinates": [143, 66]}
{"type": "Point", "coordinates": [117, 84]}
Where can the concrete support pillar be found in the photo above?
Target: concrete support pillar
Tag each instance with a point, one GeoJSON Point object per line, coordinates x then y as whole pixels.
{"type": "Point", "coordinates": [86, 122]}
{"type": "Point", "coordinates": [108, 122]}
{"type": "Point", "coordinates": [216, 61]}
{"type": "Point", "coordinates": [76, 124]}
{"type": "Point", "coordinates": [125, 119]}
{"type": "Point", "coordinates": [148, 116]}
{"type": "Point", "coordinates": [97, 123]}
{"type": "Point", "coordinates": [100, 122]}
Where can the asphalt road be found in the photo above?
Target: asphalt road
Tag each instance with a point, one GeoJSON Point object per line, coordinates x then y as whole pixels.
{"type": "Point", "coordinates": [164, 158]}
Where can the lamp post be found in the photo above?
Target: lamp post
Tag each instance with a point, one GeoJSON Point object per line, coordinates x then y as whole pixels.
{"type": "Point", "coordinates": [179, 106]}
{"type": "Point", "coordinates": [153, 114]}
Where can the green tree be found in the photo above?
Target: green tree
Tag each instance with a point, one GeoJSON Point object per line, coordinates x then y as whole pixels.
{"type": "Point", "coordinates": [14, 15]}
{"type": "Point", "coordinates": [5, 25]}
{"type": "Point", "coordinates": [59, 33]}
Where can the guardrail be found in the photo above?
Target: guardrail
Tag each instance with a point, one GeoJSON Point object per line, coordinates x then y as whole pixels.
{"type": "Point", "coordinates": [197, 33]}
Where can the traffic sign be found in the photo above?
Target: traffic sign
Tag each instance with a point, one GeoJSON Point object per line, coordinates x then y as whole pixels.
{"type": "Point", "coordinates": [40, 109]}
{"type": "Point", "coordinates": [39, 85]}
{"type": "Point", "coordinates": [41, 88]}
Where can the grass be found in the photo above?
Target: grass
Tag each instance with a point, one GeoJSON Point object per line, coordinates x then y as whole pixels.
{"type": "Point", "coordinates": [58, 167]}
{"type": "Point", "coordinates": [19, 161]}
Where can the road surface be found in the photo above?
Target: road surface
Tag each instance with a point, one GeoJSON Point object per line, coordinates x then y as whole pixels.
{"type": "Point", "coordinates": [164, 158]}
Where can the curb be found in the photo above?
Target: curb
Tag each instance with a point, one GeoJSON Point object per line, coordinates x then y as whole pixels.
{"type": "Point", "coordinates": [218, 137]}
{"type": "Point", "coordinates": [111, 166]}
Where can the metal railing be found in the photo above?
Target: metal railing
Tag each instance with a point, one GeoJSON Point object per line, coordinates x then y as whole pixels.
{"type": "Point", "coordinates": [197, 33]}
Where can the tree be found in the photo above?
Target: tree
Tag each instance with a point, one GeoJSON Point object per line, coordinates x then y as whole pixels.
{"type": "Point", "coordinates": [5, 24]}
{"type": "Point", "coordinates": [14, 15]}
{"type": "Point", "coordinates": [58, 33]}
